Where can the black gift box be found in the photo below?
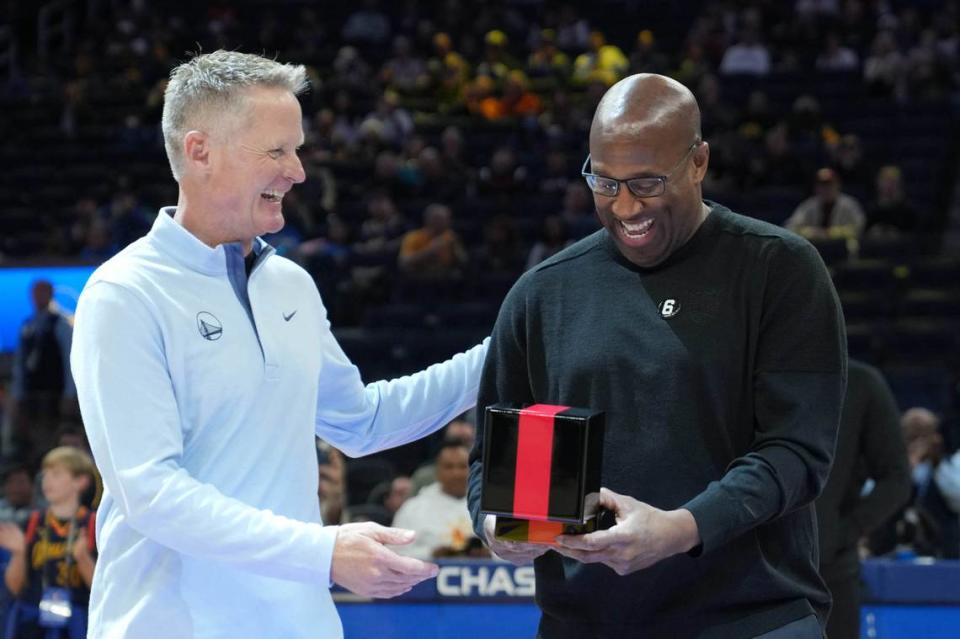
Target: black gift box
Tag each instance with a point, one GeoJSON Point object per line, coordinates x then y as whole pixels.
{"type": "Point", "coordinates": [541, 470]}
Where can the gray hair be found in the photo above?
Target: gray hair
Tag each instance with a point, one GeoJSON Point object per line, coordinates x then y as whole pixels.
{"type": "Point", "coordinates": [207, 88]}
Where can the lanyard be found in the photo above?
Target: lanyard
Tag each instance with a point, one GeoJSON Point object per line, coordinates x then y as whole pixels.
{"type": "Point", "coordinates": [50, 522]}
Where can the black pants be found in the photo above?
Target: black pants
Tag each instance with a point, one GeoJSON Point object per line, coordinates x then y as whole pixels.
{"type": "Point", "coordinates": [844, 620]}
{"type": "Point", "coordinates": [805, 628]}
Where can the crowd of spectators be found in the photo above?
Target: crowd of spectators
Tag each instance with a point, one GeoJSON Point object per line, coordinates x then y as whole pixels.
{"type": "Point", "coordinates": [482, 112]}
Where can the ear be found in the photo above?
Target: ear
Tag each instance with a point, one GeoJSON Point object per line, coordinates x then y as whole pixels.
{"type": "Point", "coordinates": [196, 150]}
{"type": "Point", "coordinates": [701, 160]}
{"type": "Point", "coordinates": [84, 482]}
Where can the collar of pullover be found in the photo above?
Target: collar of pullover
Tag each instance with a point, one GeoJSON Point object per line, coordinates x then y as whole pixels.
{"type": "Point", "coordinates": [186, 248]}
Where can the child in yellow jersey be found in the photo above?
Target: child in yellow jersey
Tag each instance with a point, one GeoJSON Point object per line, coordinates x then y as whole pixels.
{"type": "Point", "coordinates": [51, 564]}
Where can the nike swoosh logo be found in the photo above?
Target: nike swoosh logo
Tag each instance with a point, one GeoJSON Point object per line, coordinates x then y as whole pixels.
{"type": "Point", "coordinates": [287, 318]}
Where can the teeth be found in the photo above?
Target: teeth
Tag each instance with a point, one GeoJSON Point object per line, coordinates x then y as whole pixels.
{"type": "Point", "coordinates": [273, 196]}
{"type": "Point", "coordinates": [637, 229]}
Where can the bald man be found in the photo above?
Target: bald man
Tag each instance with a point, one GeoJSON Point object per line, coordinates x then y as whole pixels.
{"type": "Point", "coordinates": [715, 344]}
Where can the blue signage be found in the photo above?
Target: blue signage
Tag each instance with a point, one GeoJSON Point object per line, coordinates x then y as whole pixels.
{"type": "Point", "coordinates": [463, 581]}
{"type": "Point", "coordinates": [15, 304]}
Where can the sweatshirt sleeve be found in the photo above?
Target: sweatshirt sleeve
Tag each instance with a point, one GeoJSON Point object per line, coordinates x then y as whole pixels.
{"type": "Point", "coordinates": [362, 419]}
{"type": "Point", "coordinates": [799, 377]}
{"type": "Point", "coordinates": [132, 419]}
{"type": "Point", "coordinates": [504, 378]}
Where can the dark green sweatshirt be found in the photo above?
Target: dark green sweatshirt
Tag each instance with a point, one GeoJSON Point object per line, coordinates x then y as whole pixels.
{"type": "Point", "coordinates": [722, 373]}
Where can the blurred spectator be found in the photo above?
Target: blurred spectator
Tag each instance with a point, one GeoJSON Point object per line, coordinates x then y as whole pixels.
{"type": "Point", "coordinates": [401, 489]}
{"type": "Point", "coordinates": [332, 484]}
{"type": "Point", "coordinates": [55, 557]}
{"type": "Point", "coordinates": [449, 73]}
{"type": "Point", "coordinates": [129, 219]}
{"type": "Point", "coordinates": [645, 57]}
{"type": "Point", "coordinates": [97, 246]}
{"type": "Point", "coordinates": [342, 126]}
{"type": "Point", "coordinates": [929, 526]}
{"type": "Point", "coordinates": [17, 501]}
{"type": "Point", "coordinates": [869, 447]}
{"type": "Point", "coordinates": [565, 117]}
{"type": "Point", "coordinates": [393, 123]}
{"type": "Point", "coordinates": [578, 212]}
{"type": "Point", "coordinates": [573, 31]}
{"type": "Point", "coordinates": [475, 92]}
{"type": "Point", "coordinates": [556, 175]}
{"type": "Point", "coordinates": [82, 214]}
{"type": "Point", "coordinates": [848, 161]}
{"type": "Point", "coordinates": [553, 239]}
{"type": "Point", "coordinates": [368, 24]}
{"type": "Point", "coordinates": [890, 213]}
{"type": "Point", "coordinates": [500, 251]}
{"type": "Point", "coordinates": [459, 430]}
{"type": "Point", "coordinates": [779, 165]}
{"type": "Point", "coordinates": [828, 213]}
{"type": "Point", "coordinates": [517, 100]}
{"type": "Point", "coordinates": [376, 251]}
{"type": "Point", "coordinates": [452, 158]}
{"type": "Point", "coordinates": [383, 502]}
{"type": "Point", "coordinates": [351, 72]}
{"type": "Point", "coordinates": [603, 60]}
{"type": "Point", "coordinates": [333, 248]}
{"type": "Point", "coordinates": [548, 61]}
{"type": "Point", "coordinates": [386, 174]}
{"type": "Point", "coordinates": [884, 68]}
{"type": "Point", "coordinates": [718, 115]}
{"type": "Point", "coordinates": [926, 75]}
{"type": "Point", "coordinates": [433, 251]}
{"type": "Point", "coordinates": [817, 8]}
{"type": "Point", "coordinates": [947, 477]}
{"type": "Point", "coordinates": [748, 56]}
{"type": "Point", "coordinates": [808, 130]}
{"type": "Point", "coordinates": [757, 117]}
{"type": "Point", "coordinates": [72, 435]}
{"type": "Point", "coordinates": [439, 513]}
{"type": "Point", "coordinates": [497, 61]}
{"type": "Point", "coordinates": [382, 229]}
{"type": "Point", "coordinates": [693, 65]}
{"type": "Point", "coordinates": [404, 72]}
{"type": "Point", "coordinates": [503, 175]}
{"type": "Point", "coordinates": [42, 388]}
{"type": "Point", "coordinates": [835, 57]}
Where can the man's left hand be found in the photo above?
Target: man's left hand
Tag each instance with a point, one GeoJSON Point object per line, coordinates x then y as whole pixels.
{"type": "Point", "coordinates": [642, 536]}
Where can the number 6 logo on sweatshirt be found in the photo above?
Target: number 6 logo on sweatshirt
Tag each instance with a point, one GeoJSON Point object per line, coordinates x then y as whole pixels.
{"type": "Point", "coordinates": [669, 308]}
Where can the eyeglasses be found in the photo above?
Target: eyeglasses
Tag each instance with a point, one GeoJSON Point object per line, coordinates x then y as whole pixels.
{"type": "Point", "coordinates": [651, 186]}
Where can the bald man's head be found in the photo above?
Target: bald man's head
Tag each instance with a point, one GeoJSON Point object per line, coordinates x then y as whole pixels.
{"type": "Point", "coordinates": [645, 140]}
{"type": "Point", "coordinates": [647, 104]}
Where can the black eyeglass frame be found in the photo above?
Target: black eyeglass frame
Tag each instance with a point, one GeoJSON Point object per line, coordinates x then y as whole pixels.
{"type": "Point", "coordinates": [657, 183]}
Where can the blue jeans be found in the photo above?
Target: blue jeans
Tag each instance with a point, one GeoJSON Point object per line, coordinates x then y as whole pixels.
{"type": "Point", "coordinates": [22, 624]}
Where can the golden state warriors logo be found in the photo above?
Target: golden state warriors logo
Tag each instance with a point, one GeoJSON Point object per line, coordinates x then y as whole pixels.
{"type": "Point", "coordinates": [209, 326]}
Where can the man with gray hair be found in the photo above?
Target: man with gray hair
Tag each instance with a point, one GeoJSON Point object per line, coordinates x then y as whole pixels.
{"type": "Point", "coordinates": [205, 365]}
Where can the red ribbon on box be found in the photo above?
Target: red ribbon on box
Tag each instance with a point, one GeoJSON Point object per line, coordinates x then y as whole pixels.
{"type": "Point", "coordinates": [531, 490]}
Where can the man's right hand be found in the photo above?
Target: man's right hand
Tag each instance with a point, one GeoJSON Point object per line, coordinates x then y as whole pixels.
{"type": "Point", "coordinates": [516, 552]}
{"type": "Point", "coordinates": [362, 564]}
